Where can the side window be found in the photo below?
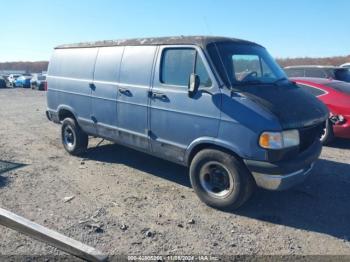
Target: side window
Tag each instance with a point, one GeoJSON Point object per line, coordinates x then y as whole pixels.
{"type": "Point", "coordinates": [315, 73]}
{"type": "Point", "coordinates": [266, 70]}
{"type": "Point", "coordinates": [294, 72]}
{"type": "Point", "coordinates": [179, 63]}
{"type": "Point", "coordinates": [177, 66]}
{"type": "Point", "coordinates": [311, 90]}
{"type": "Point", "coordinates": [330, 73]}
{"type": "Point", "coordinates": [202, 72]}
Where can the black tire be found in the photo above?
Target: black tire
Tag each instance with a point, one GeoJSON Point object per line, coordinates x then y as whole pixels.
{"type": "Point", "coordinates": [74, 140]}
{"type": "Point", "coordinates": [328, 135]}
{"type": "Point", "coordinates": [237, 173]}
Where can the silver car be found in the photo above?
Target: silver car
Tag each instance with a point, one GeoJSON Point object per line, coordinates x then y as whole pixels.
{"type": "Point", "coordinates": [346, 65]}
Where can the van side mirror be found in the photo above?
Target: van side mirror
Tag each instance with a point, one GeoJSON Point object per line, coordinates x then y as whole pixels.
{"type": "Point", "coordinates": [193, 85]}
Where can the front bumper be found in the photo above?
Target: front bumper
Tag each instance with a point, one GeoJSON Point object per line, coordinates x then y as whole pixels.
{"type": "Point", "coordinates": [284, 174]}
{"type": "Point", "coordinates": [52, 116]}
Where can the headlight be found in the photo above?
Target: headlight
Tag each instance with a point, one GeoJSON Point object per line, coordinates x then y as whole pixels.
{"type": "Point", "coordinates": [279, 140]}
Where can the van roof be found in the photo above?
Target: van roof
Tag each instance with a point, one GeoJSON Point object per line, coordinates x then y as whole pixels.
{"type": "Point", "coordinates": [175, 40]}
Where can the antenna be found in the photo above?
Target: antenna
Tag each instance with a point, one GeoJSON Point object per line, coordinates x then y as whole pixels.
{"type": "Point", "coordinates": [219, 54]}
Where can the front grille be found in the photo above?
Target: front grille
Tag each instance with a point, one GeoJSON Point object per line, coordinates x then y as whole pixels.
{"type": "Point", "coordinates": [309, 134]}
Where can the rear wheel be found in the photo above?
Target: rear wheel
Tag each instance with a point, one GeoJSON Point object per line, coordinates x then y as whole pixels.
{"type": "Point", "coordinates": [220, 180]}
{"type": "Point", "coordinates": [327, 135]}
{"type": "Point", "coordinates": [74, 140]}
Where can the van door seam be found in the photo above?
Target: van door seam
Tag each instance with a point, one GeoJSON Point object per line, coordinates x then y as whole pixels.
{"type": "Point", "coordinates": [92, 116]}
{"type": "Point", "coordinates": [149, 101]}
{"type": "Point", "coordinates": [118, 79]}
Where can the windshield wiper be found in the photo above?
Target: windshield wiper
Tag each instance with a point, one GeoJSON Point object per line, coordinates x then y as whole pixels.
{"type": "Point", "coordinates": [280, 79]}
{"type": "Point", "coordinates": [259, 82]}
{"type": "Point", "coordinates": [249, 82]}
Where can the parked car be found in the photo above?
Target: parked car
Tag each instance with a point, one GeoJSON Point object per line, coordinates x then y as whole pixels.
{"type": "Point", "coordinates": [12, 79]}
{"type": "Point", "coordinates": [23, 81]}
{"type": "Point", "coordinates": [336, 95]}
{"type": "Point", "coordinates": [2, 82]}
{"type": "Point", "coordinates": [6, 78]}
{"type": "Point", "coordinates": [346, 65]}
{"type": "Point", "coordinates": [38, 82]}
{"type": "Point", "coordinates": [180, 99]}
{"type": "Point", "coordinates": [331, 72]}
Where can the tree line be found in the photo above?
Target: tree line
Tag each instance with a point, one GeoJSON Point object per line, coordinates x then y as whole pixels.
{"type": "Point", "coordinates": [335, 61]}
{"type": "Point", "coordinates": [29, 67]}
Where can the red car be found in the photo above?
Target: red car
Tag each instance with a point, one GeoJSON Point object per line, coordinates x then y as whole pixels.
{"type": "Point", "coordinates": [336, 95]}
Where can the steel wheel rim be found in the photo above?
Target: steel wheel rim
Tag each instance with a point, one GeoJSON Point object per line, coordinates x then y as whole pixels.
{"type": "Point", "coordinates": [216, 180]}
{"type": "Point", "coordinates": [69, 137]}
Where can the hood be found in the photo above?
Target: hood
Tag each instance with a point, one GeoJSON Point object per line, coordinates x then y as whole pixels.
{"type": "Point", "coordinates": [290, 104]}
{"type": "Point", "coordinates": [339, 104]}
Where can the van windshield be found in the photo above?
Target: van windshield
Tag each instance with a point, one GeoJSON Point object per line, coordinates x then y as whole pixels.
{"type": "Point", "coordinates": [245, 64]}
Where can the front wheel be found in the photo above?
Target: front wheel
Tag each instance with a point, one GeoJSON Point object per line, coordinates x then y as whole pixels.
{"type": "Point", "coordinates": [74, 140]}
{"type": "Point", "coordinates": [220, 180]}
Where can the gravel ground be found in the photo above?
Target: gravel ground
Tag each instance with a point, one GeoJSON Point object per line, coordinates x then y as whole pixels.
{"type": "Point", "coordinates": [126, 202]}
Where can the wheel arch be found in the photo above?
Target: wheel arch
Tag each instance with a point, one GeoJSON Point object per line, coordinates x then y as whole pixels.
{"type": "Point", "coordinates": [210, 143]}
{"type": "Point", "coordinates": [64, 112]}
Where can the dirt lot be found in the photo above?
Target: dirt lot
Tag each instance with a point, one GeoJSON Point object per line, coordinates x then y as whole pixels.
{"type": "Point", "coordinates": [126, 202]}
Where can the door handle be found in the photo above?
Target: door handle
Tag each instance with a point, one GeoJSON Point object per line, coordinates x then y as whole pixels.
{"type": "Point", "coordinates": [92, 86]}
{"type": "Point", "coordinates": [124, 91]}
{"type": "Point", "coordinates": [159, 95]}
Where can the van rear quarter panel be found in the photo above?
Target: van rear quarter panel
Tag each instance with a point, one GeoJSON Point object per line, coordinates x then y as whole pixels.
{"type": "Point", "coordinates": [69, 75]}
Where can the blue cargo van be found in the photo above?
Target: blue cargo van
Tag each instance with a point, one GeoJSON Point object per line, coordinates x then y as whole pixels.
{"type": "Point", "coordinates": [220, 106]}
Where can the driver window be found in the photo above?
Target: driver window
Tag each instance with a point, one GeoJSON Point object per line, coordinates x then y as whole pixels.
{"type": "Point", "coordinates": [246, 66]}
{"type": "Point", "coordinates": [202, 72]}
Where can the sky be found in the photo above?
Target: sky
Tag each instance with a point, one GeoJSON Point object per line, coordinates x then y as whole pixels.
{"type": "Point", "coordinates": [287, 28]}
